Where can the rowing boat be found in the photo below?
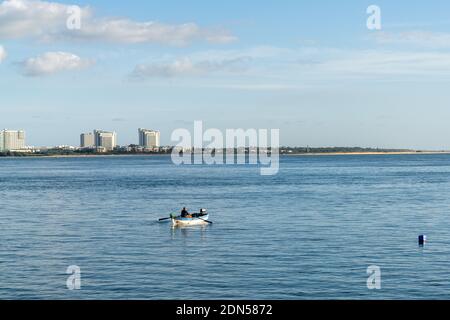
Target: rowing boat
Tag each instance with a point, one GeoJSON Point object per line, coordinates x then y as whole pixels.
{"type": "Point", "coordinates": [196, 219]}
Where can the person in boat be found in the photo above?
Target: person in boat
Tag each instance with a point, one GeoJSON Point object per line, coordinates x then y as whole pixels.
{"type": "Point", "coordinates": [184, 213]}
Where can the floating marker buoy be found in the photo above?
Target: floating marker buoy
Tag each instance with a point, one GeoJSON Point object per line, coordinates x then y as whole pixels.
{"type": "Point", "coordinates": [422, 239]}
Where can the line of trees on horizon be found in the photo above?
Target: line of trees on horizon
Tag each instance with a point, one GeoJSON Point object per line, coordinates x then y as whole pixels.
{"type": "Point", "coordinates": [168, 150]}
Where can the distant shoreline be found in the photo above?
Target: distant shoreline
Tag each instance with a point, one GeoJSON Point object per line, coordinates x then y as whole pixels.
{"type": "Point", "coordinates": [82, 155]}
{"type": "Point", "coordinates": [312, 154]}
{"type": "Point", "coordinates": [367, 153]}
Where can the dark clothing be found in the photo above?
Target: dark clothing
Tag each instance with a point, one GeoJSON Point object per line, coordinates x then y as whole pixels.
{"type": "Point", "coordinates": [184, 213]}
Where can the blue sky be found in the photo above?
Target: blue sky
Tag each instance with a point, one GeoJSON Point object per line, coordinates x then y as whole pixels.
{"type": "Point", "coordinates": [311, 69]}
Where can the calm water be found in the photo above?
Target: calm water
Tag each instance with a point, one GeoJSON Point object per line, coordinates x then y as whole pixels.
{"type": "Point", "coordinates": [308, 233]}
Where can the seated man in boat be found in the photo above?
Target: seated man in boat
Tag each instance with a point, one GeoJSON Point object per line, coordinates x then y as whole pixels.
{"type": "Point", "coordinates": [184, 213]}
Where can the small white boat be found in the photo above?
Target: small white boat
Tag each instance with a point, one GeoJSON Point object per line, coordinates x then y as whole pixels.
{"type": "Point", "coordinates": [195, 219]}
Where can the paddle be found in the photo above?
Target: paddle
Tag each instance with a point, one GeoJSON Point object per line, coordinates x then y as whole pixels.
{"type": "Point", "coordinates": [163, 219]}
{"type": "Point", "coordinates": [210, 222]}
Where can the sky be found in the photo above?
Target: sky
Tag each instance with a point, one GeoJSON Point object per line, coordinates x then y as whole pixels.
{"type": "Point", "coordinates": [312, 69]}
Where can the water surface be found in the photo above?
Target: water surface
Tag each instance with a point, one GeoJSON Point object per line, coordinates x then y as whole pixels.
{"type": "Point", "coordinates": [309, 232]}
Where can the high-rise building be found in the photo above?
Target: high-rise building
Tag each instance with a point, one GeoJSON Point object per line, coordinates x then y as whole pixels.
{"type": "Point", "coordinates": [87, 140]}
{"type": "Point", "coordinates": [12, 140]}
{"type": "Point", "coordinates": [104, 139]}
{"type": "Point", "coordinates": [149, 138]}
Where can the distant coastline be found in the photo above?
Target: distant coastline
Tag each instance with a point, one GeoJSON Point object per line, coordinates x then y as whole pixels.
{"type": "Point", "coordinates": [368, 153]}
{"type": "Point", "coordinates": [289, 152]}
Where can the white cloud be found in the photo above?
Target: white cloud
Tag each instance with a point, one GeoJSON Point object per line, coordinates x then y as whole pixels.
{"type": "Point", "coordinates": [53, 62]}
{"type": "Point", "coordinates": [46, 21]}
{"type": "Point", "coordinates": [127, 31]}
{"type": "Point", "coordinates": [27, 18]}
{"type": "Point", "coordinates": [222, 62]}
{"type": "Point", "coordinates": [3, 54]}
{"type": "Point", "coordinates": [291, 69]}
{"type": "Point", "coordinates": [415, 38]}
{"type": "Point", "coordinates": [387, 63]}
{"type": "Point", "coordinates": [190, 67]}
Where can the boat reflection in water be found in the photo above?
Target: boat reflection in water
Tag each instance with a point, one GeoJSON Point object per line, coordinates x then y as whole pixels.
{"type": "Point", "coordinates": [189, 231]}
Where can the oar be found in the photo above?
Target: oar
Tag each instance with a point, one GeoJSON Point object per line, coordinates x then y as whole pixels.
{"type": "Point", "coordinates": [210, 222]}
{"type": "Point", "coordinates": [163, 219]}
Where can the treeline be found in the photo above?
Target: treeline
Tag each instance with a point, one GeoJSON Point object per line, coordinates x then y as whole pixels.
{"type": "Point", "coordinates": [306, 150]}
{"type": "Point", "coordinates": [121, 151]}
{"type": "Point", "coordinates": [59, 152]}
{"type": "Point", "coordinates": [15, 154]}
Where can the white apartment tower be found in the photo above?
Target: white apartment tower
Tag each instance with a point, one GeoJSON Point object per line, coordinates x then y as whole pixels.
{"type": "Point", "coordinates": [149, 138]}
{"type": "Point", "coordinates": [87, 140]}
{"type": "Point", "coordinates": [104, 139]}
{"type": "Point", "coordinates": [12, 140]}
